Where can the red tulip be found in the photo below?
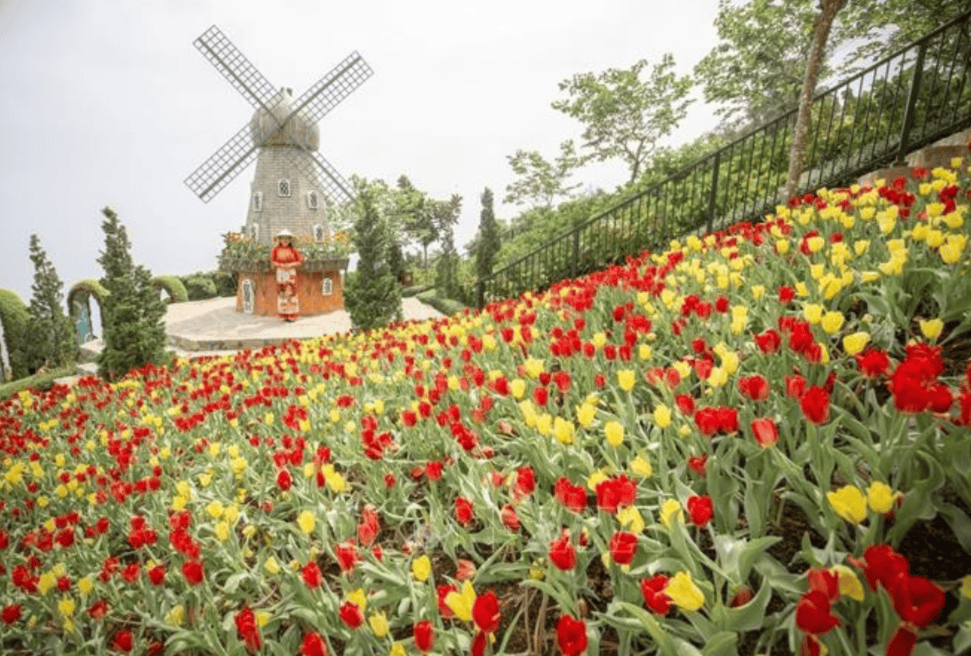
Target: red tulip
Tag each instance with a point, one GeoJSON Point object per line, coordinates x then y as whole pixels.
{"type": "Point", "coordinates": [813, 613]}
{"type": "Point", "coordinates": [312, 575]}
{"type": "Point", "coordinates": [351, 614]}
{"type": "Point", "coordinates": [369, 527]}
{"type": "Point", "coordinates": [882, 564]}
{"type": "Point", "coordinates": [509, 518]}
{"type": "Point", "coordinates": [346, 554]}
{"type": "Point", "coordinates": [700, 509]}
{"type": "Point", "coordinates": [754, 387]}
{"type": "Point", "coordinates": [562, 554]}
{"type": "Point", "coordinates": [765, 431]}
{"type": "Point", "coordinates": [525, 483]}
{"type": "Point", "coordinates": [574, 497]}
{"type": "Point", "coordinates": [486, 613]}
{"type": "Point", "coordinates": [623, 547]}
{"type": "Point", "coordinates": [424, 633]}
{"type": "Point", "coordinates": [123, 641]}
{"type": "Point", "coordinates": [825, 581]}
{"type": "Point", "coordinates": [917, 600]}
{"type": "Point", "coordinates": [654, 596]}
{"type": "Point", "coordinates": [193, 572]}
{"type": "Point", "coordinates": [248, 631]}
{"type": "Point", "coordinates": [902, 641]}
{"type": "Point", "coordinates": [815, 404]}
{"type": "Point", "coordinates": [615, 493]}
{"type": "Point", "coordinates": [11, 613]}
{"type": "Point", "coordinates": [313, 644]}
{"type": "Point", "coordinates": [464, 512]}
{"type": "Point", "coordinates": [284, 480]}
{"type": "Point", "coordinates": [872, 362]}
{"type": "Point", "coordinates": [571, 636]}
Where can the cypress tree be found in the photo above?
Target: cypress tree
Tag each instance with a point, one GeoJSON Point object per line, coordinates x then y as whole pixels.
{"type": "Point", "coordinates": [488, 242]}
{"type": "Point", "coordinates": [134, 333]}
{"type": "Point", "coordinates": [52, 342]}
{"type": "Point", "coordinates": [372, 296]}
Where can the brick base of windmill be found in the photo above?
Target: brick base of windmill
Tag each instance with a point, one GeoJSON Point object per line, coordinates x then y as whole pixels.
{"type": "Point", "coordinates": [320, 280]}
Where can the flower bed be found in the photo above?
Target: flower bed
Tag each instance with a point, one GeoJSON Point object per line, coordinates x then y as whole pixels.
{"type": "Point", "coordinates": [738, 445]}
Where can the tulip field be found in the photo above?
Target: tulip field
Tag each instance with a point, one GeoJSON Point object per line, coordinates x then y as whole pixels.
{"type": "Point", "coordinates": [754, 442]}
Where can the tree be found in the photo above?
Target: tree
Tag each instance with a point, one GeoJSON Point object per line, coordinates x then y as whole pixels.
{"type": "Point", "coordinates": [487, 244]}
{"type": "Point", "coordinates": [132, 312]}
{"type": "Point", "coordinates": [444, 216]}
{"type": "Point", "coordinates": [624, 116]}
{"type": "Point", "coordinates": [417, 222]}
{"type": "Point", "coordinates": [52, 342]}
{"type": "Point", "coordinates": [541, 182]}
{"type": "Point", "coordinates": [824, 23]}
{"type": "Point", "coordinates": [756, 69]}
{"type": "Point", "coordinates": [372, 295]}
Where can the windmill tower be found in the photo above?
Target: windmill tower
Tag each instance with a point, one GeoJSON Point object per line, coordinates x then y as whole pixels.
{"type": "Point", "coordinates": [293, 186]}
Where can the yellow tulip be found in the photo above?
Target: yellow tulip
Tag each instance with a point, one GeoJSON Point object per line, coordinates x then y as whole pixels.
{"type": "Point", "coordinates": [614, 431]}
{"type": "Point", "coordinates": [880, 497]}
{"type": "Point", "coordinates": [855, 342]}
{"type": "Point", "coordinates": [849, 583]}
{"type": "Point", "coordinates": [662, 416]}
{"type": "Point", "coordinates": [684, 593]}
{"type": "Point", "coordinates": [849, 503]}
{"type": "Point", "coordinates": [931, 328]}
{"type": "Point", "coordinates": [306, 522]}
{"type": "Point", "coordinates": [421, 567]}
{"type": "Point", "coordinates": [461, 602]}
{"type": "Point", "coordinates": [671, 510]}
{"type": "Point", "coordinates": [626, 378]}
{"type": "Point", "coordinates": [832, 322]}
{"type": "Point", "coordinates": [379, 624]}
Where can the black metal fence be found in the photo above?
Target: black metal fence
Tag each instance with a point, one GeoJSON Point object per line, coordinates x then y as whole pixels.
{"type": "Point", "coordinates": [908, 100]}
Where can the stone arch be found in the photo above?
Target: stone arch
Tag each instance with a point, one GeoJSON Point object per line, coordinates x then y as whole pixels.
{"type": "Point", "coordinates": [79, 307]}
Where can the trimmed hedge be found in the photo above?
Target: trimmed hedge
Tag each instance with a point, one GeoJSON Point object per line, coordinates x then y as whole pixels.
{"type": "Point", "coordinates": [173, 285]}
{"type": "Point", "coordinates": [15, 316]}
{"type": "Point", "coordinates": [446, 306]}
{"type": "Point", "coordinates": [415, 290]}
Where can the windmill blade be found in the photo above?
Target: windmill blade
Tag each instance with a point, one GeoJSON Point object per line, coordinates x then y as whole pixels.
{"type": "Point", "coordinates": [333, 87]}
{"type": "Point", "coordinates": [235, 67]}
{"type": "Point", "coordinates": [319, 171]}
{"type": "Point", "coordinates": [224, 165]}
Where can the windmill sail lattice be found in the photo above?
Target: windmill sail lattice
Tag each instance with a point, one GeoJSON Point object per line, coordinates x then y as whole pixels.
{"type": "Point", "coordinates": [241, 149]}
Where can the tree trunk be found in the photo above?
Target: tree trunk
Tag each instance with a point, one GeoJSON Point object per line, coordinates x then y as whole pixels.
{"type": "Point", "coordinates": [820, 34]}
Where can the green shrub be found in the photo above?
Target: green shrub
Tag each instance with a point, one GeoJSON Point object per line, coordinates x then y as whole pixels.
{"type": "Point", "coordinates": [14, 317]}
{"type": "Point", "coordinates": [199, 286]}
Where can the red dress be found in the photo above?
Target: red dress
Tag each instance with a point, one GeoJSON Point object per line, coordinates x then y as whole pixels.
{"type": "Point", "coordinates": [287, 301]}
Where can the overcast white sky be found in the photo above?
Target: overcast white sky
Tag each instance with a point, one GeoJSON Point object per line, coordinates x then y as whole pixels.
{"type": "Point", "coordinates": [106, 102]}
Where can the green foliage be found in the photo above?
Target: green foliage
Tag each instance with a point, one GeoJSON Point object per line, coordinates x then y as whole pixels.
{"type": "Point", "coordinates": [445, 305]}
{"type": "Point", "coordinates": [52, 341]}
{"type": "Point", "coordinates": [541, 182]}
{"type": "Point", "coordinates": [134, 334]}
{"type": "Point", "coordinates": [175, 288]}
{"type": "Point", "coordinates": [14, 317]}
{"type": "Point", "coordinates": [624, 116]}
{"type": "Point", "coordinates": [41, 382]}
{"type": "Point", "coordinates": [487, 243]}
{"type": "Point", "coordinates": [199, 286]}
{"type": "Point", "coordinates": [372, 295]}
{"type": "Point", "coordinates": [412, 212]}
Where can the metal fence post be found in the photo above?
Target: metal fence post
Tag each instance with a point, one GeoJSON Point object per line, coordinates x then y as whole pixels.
{"type": "Point", "coordinates": [712, 194]}
{"type": "Point", "coordinates": [575, 257]}
{"type": "Point", "coordinates": [908, 121]}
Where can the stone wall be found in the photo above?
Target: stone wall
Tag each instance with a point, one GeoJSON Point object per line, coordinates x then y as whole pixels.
{"type": "Point", "coordinates": [276, 212]}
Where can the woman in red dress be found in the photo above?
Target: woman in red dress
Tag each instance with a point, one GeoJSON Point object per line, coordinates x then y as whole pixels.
{"type": "Point", "coordinates": [285, 258]}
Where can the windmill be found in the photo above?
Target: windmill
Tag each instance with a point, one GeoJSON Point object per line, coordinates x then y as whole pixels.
{"type": "Point", "coordinates": [283, 138]}
{"type": "Point", "coordinates": [293, 186]}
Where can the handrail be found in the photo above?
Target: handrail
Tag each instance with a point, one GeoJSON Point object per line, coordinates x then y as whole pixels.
{"type": "Point", "coordinates": [731, 195]}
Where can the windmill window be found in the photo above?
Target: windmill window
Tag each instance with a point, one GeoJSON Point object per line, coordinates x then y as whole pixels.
{"type": "Point", "coordinates": [254, 232]}
{"type": "Point", "coordinates": [257, 201]}
{"type": "Point", "coordinates": [328, 287]}
{"type": "Point", "coordinates": [283, 188]}
{"type": "Point", "coordinates": [312, 200]}
{"type": "Point", "coordinates": [318, 233]}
